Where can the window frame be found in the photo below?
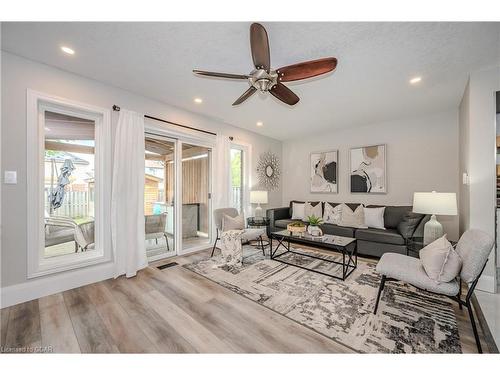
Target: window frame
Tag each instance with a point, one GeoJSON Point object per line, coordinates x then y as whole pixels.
{"type": "Point", "coordinates": [37, 104]}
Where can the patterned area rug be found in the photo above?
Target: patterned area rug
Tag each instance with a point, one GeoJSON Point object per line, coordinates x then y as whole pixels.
{"type": "Point", "coordinates": [408, 320]}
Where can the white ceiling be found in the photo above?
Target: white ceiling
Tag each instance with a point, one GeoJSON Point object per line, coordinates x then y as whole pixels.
{"type": "Point", "coordinates": [370, 84]}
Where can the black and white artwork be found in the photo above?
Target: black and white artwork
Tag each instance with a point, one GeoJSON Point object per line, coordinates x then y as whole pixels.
{"type": "Point", "coordinates": [368, 169]}
{"type": "Point", "coordinates": [324, 172]}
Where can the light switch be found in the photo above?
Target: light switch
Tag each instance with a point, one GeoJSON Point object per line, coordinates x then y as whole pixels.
{"type": "Point", "coordinates": [10, 177]}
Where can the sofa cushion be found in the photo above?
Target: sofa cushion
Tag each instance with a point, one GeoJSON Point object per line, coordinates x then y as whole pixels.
{"type": "Point", "coordinates": [380, 235]}
{"type": "Point", "coordinates": [291, 204]}
{"type": "Point", "coordinates": [283, 223]}
{"type": "Point", "coordinates": [411, 271]}
{"type": "Point", "coordinates": [354, 219]}
{"type": "Point", "coordinates": [441, 263]}
{"type": "Point", "coordinates": [393, 215]}
{"type": "Point", "coordinates": [313, 209]}
{"type": "Point", "coordinates": [338, 230]}
{"type": "Point", "coordinates": [331, 214]}
{"type": "Point", "coordinates": [298, 210]}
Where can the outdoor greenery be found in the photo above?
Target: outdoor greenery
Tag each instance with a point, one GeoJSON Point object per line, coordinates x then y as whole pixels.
{"type": "Point", "coordinates": [235, 168]}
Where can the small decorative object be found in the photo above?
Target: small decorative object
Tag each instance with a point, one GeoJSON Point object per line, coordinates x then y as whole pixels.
{"type": "Point", "coordinates": [268, 171]}
{"type": "Point", "coordinates": [434, 204]}
{"type": "Point", "coordinates": [368, 169]}
{"type": "Point", "coordinates": [296, 228]}
{"type": "Point", "coordinates": [324, 172]}
{"type": "Point", "coordinates": [313, 228]}
{"type": "Point", "coordinates": [258, 197]}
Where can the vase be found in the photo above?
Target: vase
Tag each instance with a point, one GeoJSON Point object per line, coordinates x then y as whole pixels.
{"type": "Point", "coordinates": [314, 230]}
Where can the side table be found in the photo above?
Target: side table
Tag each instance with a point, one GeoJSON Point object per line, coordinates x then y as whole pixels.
{"type": "Point", "coordinates": [258, 222]}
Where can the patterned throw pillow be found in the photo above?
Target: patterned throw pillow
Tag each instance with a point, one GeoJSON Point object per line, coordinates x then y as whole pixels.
{"type": "Point", "coordinates": [310, 210]}
{"type": "Point", "coordinates": [440, 260]}
{"type": "Point", "coordinates": [233, 223]}
{"type": "Point", "coordinates": [353, 219]}
{"type": "Point", "coordinates": [332, 215]}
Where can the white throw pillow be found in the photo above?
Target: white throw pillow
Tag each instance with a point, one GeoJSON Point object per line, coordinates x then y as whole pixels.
{"type": "Point", "coordinates": [440, 260]}
{"type": "Point", "coordinates": [374, 217]}
{"type": "Point", "coordinates": [233, 223]}
{"type": "Point", "coordinates": [353, 219]}
{"type": "Point", "coordinates": [310, 210]}
{"type": "Point", "coordinates": [332, 215]}
{"type": "Point", "coordinates": [298, 211]}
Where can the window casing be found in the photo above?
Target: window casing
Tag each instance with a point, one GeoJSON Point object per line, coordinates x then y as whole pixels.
{"type": "Point", "coordinates": [99, 189]}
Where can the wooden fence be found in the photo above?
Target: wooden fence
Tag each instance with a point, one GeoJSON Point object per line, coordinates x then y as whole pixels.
{"type": "Point", "coordinates": [75, 204]}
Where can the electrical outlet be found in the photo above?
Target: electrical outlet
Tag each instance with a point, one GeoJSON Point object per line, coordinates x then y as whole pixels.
{"type": "Point", "coordinates": [10, 177]}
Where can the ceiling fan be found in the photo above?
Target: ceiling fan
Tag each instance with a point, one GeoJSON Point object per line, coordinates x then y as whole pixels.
{"type": "Point", "coordinates": [265, 79]}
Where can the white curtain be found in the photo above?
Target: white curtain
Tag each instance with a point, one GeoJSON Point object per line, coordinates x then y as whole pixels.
{"type": "Point", "coordinates": [127, 201]}
{"type": "Point", "coordinates": [221, 193]}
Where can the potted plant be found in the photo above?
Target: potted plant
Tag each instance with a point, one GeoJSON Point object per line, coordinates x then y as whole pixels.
{"type": "Point", "coordinates": [297, 227]}
{"type": "Point", "coordinates": [313, 228]}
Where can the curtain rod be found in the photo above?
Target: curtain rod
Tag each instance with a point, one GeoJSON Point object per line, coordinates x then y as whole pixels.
{"type": "Point", "coordinates": [116, 108]}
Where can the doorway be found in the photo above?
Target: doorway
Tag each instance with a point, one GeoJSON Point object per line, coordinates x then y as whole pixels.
{"type": "Point", "coordinates": [159, 188]}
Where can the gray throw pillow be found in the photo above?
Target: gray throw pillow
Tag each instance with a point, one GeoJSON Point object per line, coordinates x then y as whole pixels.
{"type": "Point", "coordinates": [232, 223]}
{"type": "Point", "coordinates": [440, 260]}
{"type": "Point", "coordinates": [410, 222]}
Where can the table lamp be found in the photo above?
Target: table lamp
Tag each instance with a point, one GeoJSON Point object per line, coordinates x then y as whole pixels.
{"type": "Point", "coordinates": [434, 204]}
{"type": "Point", "coordinates": [258, 197]}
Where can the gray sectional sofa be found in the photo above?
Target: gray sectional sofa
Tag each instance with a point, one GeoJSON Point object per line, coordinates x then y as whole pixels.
{"type": "Point", "coordinates": [400, 223]}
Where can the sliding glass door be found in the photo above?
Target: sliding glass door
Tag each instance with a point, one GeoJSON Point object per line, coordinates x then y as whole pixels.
{"type": "Point", "coordinates": [159, 188]}
{"type": "Point", "coordinates": [196, 202]}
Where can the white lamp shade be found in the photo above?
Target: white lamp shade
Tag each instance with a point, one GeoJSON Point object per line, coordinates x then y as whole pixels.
{"type": "Point", "coordinates": [435, 203]}
{"type": "Point", "coordinates": [258, 197]}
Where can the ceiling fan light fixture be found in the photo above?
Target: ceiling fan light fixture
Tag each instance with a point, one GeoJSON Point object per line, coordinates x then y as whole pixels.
{"type": "Point", "coordinates": [260, 123]}
{"type": "Point", "coordinates": [415, 80]}
{"type": "Point", "coordinates": [198, 100]}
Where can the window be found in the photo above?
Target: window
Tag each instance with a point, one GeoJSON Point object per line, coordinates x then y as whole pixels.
{"type": "Point", "coordinates": [68, 209]}
{"type": "Point", "coordinates": [237, 178]}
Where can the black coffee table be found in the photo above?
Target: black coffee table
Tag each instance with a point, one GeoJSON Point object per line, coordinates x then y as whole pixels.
{"type": "Point", "coordinates": [343, 245]}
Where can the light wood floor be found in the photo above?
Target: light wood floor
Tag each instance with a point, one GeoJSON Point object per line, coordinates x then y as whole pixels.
{"type": "Point", "coordinates": [168, 311]}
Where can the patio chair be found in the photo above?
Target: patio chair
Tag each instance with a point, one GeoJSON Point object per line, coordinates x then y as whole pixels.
{"type": "Point", "coordinates": [155, 227]}
{"type": "Point", "coordinates": [61, 229]}
{"type": "Point", "coordinates": [249, 234]}
{"type": "Point", "coordinates": [473, 247]}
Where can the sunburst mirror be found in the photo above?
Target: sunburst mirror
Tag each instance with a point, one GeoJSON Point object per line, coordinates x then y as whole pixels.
{"type": "Point", "coordinates": [268, 171]}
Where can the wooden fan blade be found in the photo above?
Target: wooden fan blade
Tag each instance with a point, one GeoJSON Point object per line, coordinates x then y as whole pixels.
{"type": "Point", "coordinates": [259, 43]}
{"type": "Point", "coordinates": [284, 94]}
{"type": "Point", "coordinates": [220, 75]}
{"type": "Point", "coordinates": [306, 69]}
{"type": "Point", "coordinates": [251, 90]}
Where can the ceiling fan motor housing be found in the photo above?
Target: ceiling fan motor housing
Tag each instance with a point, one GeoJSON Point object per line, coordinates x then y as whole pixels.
{"type": "Point", "coordinates": [262, 80]}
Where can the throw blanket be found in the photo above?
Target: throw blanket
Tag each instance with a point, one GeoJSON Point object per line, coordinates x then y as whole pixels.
{"type": "Point", "coordinates": [231, 249]}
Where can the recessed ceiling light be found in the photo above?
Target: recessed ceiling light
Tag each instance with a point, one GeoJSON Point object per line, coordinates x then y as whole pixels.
{"type": "Point", "coordinates": [68, 50]}
{"type": "Point", "coordinates": [260, 123]}
{"type": "Point", "coordinates": [415, 80]}
{"type": "Point", "coordinates": [198, 100]}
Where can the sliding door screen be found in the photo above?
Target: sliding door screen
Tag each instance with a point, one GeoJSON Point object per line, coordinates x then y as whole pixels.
{"type": "Point", "coordinates": [159, 210]}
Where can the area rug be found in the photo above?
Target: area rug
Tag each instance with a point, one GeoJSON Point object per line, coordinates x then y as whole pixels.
{"type": "Point", "coordinates": [408, 320]}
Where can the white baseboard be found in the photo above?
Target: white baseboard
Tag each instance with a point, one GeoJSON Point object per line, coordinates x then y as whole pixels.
{"type": "Point", "coordinates": [486, 283]}
{"type": "Point", "coordinates": [41, 287]}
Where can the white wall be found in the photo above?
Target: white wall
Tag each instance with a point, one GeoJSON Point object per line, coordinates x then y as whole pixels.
{"type": "Point", "coordinates": [478, 149]}
{"type": "Point", "coordinates": [463, 142]}
{"type": "Point", "coordinates": [422, 155]}
{"type": "Point", "coordinates": [19, 74]}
